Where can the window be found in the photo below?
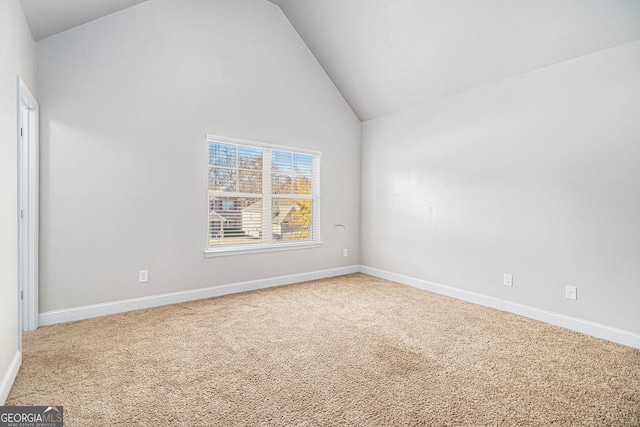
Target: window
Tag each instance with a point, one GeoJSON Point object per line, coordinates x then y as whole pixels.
{"type": "Point", "coordinates": [261, 196]}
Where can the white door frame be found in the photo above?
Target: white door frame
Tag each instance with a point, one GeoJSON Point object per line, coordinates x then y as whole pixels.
{"type": "Point", "coordinates": [28, 198]}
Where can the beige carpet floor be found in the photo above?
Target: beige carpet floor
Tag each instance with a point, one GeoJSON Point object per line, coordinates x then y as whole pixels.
{"type": "Point", "coordinates": [352, 351]}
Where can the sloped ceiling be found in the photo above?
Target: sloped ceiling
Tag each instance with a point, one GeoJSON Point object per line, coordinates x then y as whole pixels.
{"type": "Point", "coordinates": [49, 17]}
{"type": "Point", "coordinates": [387, 55]}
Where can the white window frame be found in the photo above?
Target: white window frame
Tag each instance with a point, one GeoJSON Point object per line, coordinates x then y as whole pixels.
{"type": "Point", "coordinates": [267, 245]}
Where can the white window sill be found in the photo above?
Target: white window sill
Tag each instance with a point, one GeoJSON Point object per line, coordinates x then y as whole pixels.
{"type": "Point", "coordinates": [256, 249]}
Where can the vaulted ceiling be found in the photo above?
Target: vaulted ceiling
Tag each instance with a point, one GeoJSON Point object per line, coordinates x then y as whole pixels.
{"type": "Point", "coordinates": [49, 17]}
{"type": "Point", "coordinates": [387, 55]}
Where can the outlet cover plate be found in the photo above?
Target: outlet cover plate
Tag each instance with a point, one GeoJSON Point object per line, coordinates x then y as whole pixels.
{"type": "Point", "coordinates": [143, 276]}
{"type": "Point", "coordinates": [508, 279]}
{"type": "Point", "coordinates": [571, 292]}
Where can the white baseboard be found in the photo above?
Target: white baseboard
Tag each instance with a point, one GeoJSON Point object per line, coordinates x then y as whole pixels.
{"type": "Point", "coordinates": [597, 330]}
{"type": "Point", "coordinates": [586, 327]}
{"type": "Point", "coordinates": [97, 310]}
{"type": "Point", "coordinates": [9, 377]}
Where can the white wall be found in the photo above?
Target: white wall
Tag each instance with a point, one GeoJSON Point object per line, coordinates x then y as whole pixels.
{"type": "Point", "coordinates": [126, 102]}
{"type": "Point", "coordinates": [537, 176]}
{"type": "Point", "coordinates": [17, 51]}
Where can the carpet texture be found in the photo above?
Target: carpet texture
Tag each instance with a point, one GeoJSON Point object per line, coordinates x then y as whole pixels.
{"type": "Point", "coordinates": [351, 350]}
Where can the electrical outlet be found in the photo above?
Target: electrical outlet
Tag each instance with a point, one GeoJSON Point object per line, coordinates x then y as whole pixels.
{"type": "Point", "coordinates": [345, 252]}
{"type": "Point", "coordinates": [143, 276]}
{"type": "Point", "coordinates": [508, 279]}
{"type": "Point", "coordinates": [571, 292]}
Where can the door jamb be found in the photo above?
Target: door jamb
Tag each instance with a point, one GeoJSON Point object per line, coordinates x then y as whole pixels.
{"type": "Point", "coordinates": [28, 179]}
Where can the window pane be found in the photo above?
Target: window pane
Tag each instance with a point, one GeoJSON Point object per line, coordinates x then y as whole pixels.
{"type": "Point", "coordinates": [235, 220]}
{"type": "Point", "coordinates": [292, 219]}
{"type": "Point", "coordinates": [250, 182]}
{"type": "Point", "coordinates": [222, 179]}
{"type": "Point", "coordinates": [282, 162]}
{"type": "Point", "coordinates": [302, 185]}
{"type": "Point", "coordinates": [303, 164]}
{"type": "Point", "coordinates": [281, 172]}
{"type": "Point", "coordinates": [222, 155]}
{"type": "Point", "coordinates": [281, 184]}
{"type": "Point", "coordinates": [249, 158]}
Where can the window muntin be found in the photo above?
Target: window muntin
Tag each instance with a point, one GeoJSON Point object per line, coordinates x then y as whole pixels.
{"type": "Point", "coordinates": [261, 196]}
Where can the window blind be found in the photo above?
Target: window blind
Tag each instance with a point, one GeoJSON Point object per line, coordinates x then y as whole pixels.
{"type": "Point", "coordinates": [261, 196]}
